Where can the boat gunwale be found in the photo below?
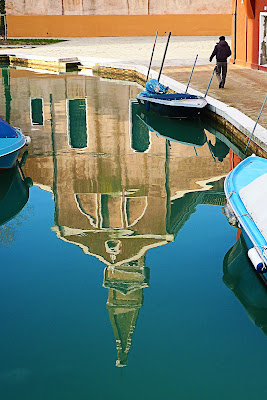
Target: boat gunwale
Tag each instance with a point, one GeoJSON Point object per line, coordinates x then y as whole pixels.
{"type": "Point", "coordinates": [173, 103]}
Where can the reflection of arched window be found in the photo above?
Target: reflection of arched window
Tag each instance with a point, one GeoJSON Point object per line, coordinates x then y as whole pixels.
{"type": "Point", "coordinates": [36, 109]}
{"type": "Point", "coordinates": [77, 126]}
{"type": "Point", "coordinates": [88, 205]}
{"type": "Point", "coordinates": [135, 208]}
{"type": "Point", "coordinates": [105, 211]}
{"type": "Point", "coordinates": [140, 140]}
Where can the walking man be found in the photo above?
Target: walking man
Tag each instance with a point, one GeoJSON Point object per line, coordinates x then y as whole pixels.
{"type": "Point", "coordinates": [222, 51]}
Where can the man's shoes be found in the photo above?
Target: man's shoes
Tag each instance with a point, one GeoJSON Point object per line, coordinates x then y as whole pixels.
{"type": "Point", "coordinates": [220, 85]}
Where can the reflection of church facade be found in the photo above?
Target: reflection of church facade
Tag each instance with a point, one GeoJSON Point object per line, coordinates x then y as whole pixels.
{"type": "Point", "coordinates": [119, 189]}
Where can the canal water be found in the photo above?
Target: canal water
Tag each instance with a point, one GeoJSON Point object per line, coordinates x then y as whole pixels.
{"type": "Point", "coordinates": [120, 275]}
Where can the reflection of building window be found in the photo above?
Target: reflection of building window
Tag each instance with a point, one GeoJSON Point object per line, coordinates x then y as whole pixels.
{"type": "Point", "coordinates": [36, 109]}
{"type": "Point", "coordinates": [77, 125]}
{"type": "Point", "coordinates": [105, 211]}
{"type": "Point", "coordinates": [139, 134]}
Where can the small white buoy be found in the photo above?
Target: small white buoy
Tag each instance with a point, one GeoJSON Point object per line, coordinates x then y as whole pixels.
{"type": "Point", "coordinates": [256, 260]}
{"type": "Point", "coordinates": [231, 218]}
{"type": "Point", "coordinates": [28, 140]}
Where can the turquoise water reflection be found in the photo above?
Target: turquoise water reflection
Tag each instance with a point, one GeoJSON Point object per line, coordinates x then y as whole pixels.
{"type": "Point", "coordinates": [119, 254]}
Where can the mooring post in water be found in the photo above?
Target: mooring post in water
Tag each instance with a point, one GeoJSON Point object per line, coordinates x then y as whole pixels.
{"type": "Point", "coordinates": [256, 122]}
{"type": "Point", "coordinates": [214, 69]}
{"type": "Point", "coordinates": [152, 55]}
{"type": "Point", "coordinates": [164, 54]}
{"type": "Point", "coordinates": [191, 74]}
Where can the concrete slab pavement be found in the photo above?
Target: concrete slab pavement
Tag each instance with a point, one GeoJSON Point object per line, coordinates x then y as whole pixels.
{"type": "Point", "coordinates": [136, 50]}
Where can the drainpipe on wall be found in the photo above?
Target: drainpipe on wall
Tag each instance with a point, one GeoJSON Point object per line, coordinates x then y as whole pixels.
{"type": "Point", "coordinates": [246, 40]}
{"type": "Point", "coordinates": [235, 23]}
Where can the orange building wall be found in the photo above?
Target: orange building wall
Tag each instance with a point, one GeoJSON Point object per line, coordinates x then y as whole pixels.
{"type": "Point", "coordinates": [117, 25]}
{"type": "Point", "coordinates": [246, 33]}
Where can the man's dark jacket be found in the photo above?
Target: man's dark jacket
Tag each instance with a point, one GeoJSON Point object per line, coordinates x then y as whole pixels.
{"type": "Point", "coordinates": [221, 51]}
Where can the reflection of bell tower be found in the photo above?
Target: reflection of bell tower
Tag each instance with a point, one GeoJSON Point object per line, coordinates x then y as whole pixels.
{"type": "Point", "coordinates": [125, 298]}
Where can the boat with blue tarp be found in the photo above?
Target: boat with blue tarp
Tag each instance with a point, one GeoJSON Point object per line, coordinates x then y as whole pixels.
{"type": "Point", "coordinates": [11, 142]}
{"type": "Point", "coordinates": [173, 105]}
{"type": "Point", "coordinates": [246, 192]}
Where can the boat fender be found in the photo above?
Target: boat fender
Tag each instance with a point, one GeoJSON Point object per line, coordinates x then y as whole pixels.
{"type": "Point", "coordinates": [147, 106]}
{"type": "Point", "coordinates": [28, 140]}
{"type": "Point", "coordinates": [256, 260]}
{"type": "Point", "coordinates": [23, 159]}
{"type": "Point", "coordinates": [231, 218]}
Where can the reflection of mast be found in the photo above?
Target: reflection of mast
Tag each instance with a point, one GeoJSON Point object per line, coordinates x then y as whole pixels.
{"type": "Point", "coordinates": [125, 298]}
{"type": "Point", "coordinates": [54, 188]}
{"type": "Point", "coordinates": [6, 83]}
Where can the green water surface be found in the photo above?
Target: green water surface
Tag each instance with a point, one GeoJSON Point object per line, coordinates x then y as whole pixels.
{"type": "Point", "coordinates": [121, 278]}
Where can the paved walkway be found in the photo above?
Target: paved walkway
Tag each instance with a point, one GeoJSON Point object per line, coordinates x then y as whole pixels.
{"type": "Point", "coordinates": [245, 89]}
{"type": "Point", "coordinates": [137, 50]}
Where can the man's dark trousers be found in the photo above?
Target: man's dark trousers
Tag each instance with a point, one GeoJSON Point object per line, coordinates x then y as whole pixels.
{"type": "Point", "coordinates": [221, 71]}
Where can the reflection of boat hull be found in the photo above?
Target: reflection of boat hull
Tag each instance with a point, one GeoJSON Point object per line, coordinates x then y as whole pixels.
{"type": "Point", "coordinates": [173, 108]}
{"type": "Point", "coordinates": [248, 286]}
{"type": "Point", "coordinates": [11, 142]}
{"type": "Point", "coordinates": [246, 195]}
{"type": "Point", "coordinates": [14, 193]}
{"type": "Point", "coordinates": [190, 132]}
{"type": "Point", "coordinates": [9, 160]}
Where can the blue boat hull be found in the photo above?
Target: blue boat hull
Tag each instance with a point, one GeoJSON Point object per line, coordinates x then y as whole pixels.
{"type": "Point", "coordinates": [11, 142]}
{"type": "Point", "coordinates": [169, 111]}
{"type": "Point", "coordinates": [239, 179]}
{"type": "Point", "coordinates": [14, 193]}
{"type": "Point", "coordinates": [172, 105]}
{"type": "Point", "coordinates": [9, 160]}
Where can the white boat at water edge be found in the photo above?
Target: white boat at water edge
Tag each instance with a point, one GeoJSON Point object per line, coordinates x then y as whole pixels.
{"type": "Point", "coordinates": [246, 192]}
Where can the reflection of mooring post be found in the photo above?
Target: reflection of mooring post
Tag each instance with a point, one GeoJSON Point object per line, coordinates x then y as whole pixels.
{"type": "Point", "coordinates": [54, 188]}
{"type": "Point", "coordinates": [256, 123]}
{"type": "Point", "coordinates": [6, 83]}
{"type": "Point", "coordinates": [214, 69]}
{"type": "Point", "coordinates": [167, 184]}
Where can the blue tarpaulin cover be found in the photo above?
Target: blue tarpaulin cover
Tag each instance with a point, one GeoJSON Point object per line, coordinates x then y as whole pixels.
{"type": "Point", "coordinates": [153, 86]}
{"type": "Point", "coordinates": [6, 131]}
{"type": "Point", "coordinates": [158, 91]}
